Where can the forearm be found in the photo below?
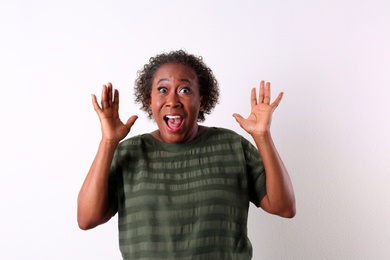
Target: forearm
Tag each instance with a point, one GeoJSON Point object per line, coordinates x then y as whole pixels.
{"type": "Point", "coordinates": [280, 198]}
{"type": "Point", "coordinates": [93, 205]}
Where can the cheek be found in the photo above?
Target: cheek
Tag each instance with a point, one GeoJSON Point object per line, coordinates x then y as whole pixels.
{"type": "Point", "coordinates": [155, 104]}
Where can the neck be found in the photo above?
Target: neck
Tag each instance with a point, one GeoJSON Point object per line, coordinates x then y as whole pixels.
{"type": "Point", "coordinates": [199, 130]}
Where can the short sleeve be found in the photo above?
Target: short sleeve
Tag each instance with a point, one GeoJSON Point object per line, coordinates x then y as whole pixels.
{"type": "Point", "coordinates": [113, 183]}
{"type": "Point", "coordinates": [255, 173]}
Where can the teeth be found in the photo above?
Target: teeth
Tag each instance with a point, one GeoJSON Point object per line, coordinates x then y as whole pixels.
{"type": "Point", "coordinates": [172, 117]}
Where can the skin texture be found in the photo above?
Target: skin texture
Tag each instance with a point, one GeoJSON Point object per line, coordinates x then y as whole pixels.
{"type": "Point", "coordinates": [175, 91]}
{"type": "Point", "coordinates": [92, 207]}
{"type": "Point", "coordinates": [280, 198]}
{"type": "Point", "coordinates": [209, 87]}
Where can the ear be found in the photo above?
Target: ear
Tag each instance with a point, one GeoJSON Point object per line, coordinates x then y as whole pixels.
{"type": "Point", "coordinates": [201, 104]}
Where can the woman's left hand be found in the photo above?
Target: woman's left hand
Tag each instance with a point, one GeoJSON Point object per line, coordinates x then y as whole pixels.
{"type": "Point", "coordinates": [259, 121]}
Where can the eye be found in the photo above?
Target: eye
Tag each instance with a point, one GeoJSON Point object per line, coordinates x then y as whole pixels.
{"type": "Point", "coordinates": [162, 89]}
{"type": "Point", "coordinates": [185, 90]}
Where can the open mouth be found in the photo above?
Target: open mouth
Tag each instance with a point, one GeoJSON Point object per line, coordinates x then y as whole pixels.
{"type": "Point", "coordinates": [173, 122]}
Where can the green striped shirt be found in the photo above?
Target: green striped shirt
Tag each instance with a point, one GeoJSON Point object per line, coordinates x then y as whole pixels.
{"type": "Point", "coordinates": [186, 201]}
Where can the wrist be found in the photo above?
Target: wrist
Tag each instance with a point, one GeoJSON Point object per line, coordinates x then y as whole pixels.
{"type": "Point", "coordinates": [261, 135]}
{"type": "Point", "coordinates": [107, 143]}
{"type": "Point", "coordinates": [263, 139]}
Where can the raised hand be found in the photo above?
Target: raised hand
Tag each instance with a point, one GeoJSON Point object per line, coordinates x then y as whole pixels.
{"type": "Point", "coordinates": [113, 129]}
{"type": "Point", "coordinates": [259, 121]}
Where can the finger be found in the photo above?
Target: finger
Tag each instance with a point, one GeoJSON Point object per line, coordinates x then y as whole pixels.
{"type": "Point", "coordinates": [115, 102]}
{"type": "Point", "coordinates": [130, 122]}
{"type": "Point", "coordinates": [261, 92]}
{"type": "Point", "coordinates": [238, 118]}
{"type": "Point", "coordinates": [267, 93]}
{"type": "Point", "coordinates": [253, 97]}
{"type": "Point", "coordinates": [109, 93]}
{"type": "Point", "coordinates": [104, 97]}
{"type": "Point", "coordinates": [95, 103]}
{"type": "Point", "coordinates": [277, 101]}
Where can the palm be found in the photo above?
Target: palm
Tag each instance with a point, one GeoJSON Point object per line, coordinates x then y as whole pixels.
{"type": "Point", "coordinates": [113, 129]}
{"type": "Point", "coordinates": [259, 121]}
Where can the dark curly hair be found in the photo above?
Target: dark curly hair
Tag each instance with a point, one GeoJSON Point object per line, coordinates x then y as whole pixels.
{"type": "Point", "coordinates": [208, 85]}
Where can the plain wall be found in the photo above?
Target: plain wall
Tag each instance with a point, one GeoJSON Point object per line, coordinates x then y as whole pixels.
{"type": "Point", "coordinates": [331, 58]}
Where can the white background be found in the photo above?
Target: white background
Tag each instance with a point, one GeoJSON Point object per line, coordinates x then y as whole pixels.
{"type": "Point", "coordinates": [331, 58]}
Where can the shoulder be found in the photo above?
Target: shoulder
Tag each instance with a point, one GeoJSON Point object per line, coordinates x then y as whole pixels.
{"type": "Point", "coordinates": [133, 144]}
{"type": "Point", "coordinates": [131, 141]}
{"type": "Point", "coordinates": [225, 134]}
{"type": "Point", "coordinates": [222, 131]}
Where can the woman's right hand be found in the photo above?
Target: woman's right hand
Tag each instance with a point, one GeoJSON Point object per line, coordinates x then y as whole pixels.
{"type": "Point", "coordinates": [113, 129]}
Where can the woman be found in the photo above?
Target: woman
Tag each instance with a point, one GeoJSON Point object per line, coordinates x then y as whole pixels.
{"type": "Point", "coordinates": [183, 191]}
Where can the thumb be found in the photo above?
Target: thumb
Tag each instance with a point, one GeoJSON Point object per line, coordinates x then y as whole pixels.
{"type": "Point", "coordinates": [238, 118]}
{"type": "Point", "coordinates": [130, 122]}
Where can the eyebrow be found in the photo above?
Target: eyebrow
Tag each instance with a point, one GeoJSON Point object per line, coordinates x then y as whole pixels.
{"type": "Point", "coordinates": [166, 79]}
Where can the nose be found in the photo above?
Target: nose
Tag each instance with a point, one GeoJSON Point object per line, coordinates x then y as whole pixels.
{"type": "Point", "coordinates": [173, 100]}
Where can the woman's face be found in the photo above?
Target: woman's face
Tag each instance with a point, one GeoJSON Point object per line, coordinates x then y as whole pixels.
{"type": "Point", "coordinates": [175, 102]}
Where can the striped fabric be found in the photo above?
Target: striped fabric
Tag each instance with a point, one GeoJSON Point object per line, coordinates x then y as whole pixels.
{"type": "Point", "coordinates": [186, 201]}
